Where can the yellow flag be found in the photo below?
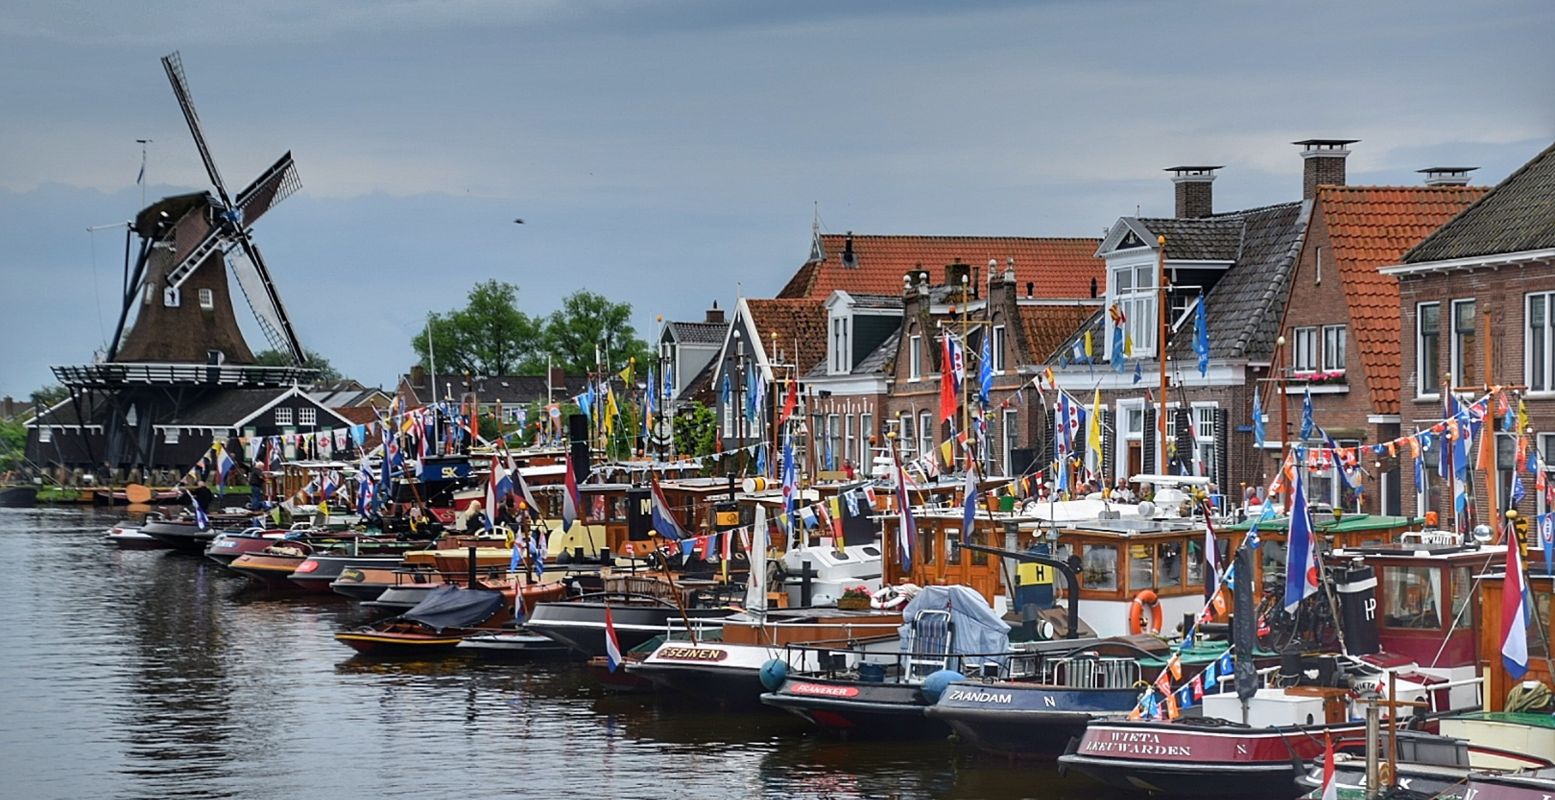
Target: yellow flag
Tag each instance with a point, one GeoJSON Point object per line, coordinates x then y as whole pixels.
{"type": "Point", "coordinates": [629, 372]}
{"type": "Point", "coordinates": [1093, 428]}
{"type": "Point", "coordinates": [1128, 344]}
{"type": "Point", "coordinates": [608, 424]}
{"type": "Point", "coordinates": [946, 454]}
{"type": "Point", "coordinates": [1087, 344]}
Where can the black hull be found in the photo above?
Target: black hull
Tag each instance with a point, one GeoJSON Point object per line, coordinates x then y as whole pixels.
{"type": "Point", "coordinates": [859, 708]}
{"type": "Point", "coordinates": [318, 579]}
{"type": "Point", "coordinates": [1264, 781]}
{"type": "Point", "coordinates": [581, 625]}
{"type": "Point", "coordinates": [184, 537]}
{"type": "Point", "coordinates": [724, 686]}
{"type": "Point", "coordinates": [1021, 721]}
{"type": "Point", "coordinates": [18, 496]}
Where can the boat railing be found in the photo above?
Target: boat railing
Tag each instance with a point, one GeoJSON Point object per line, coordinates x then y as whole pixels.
{"type": "Point", "coordinates": [1090, 672]}
{"type": "Point", "coordinates": [909, 666]}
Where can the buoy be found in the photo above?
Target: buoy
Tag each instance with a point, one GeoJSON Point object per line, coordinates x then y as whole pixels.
{"type": "Point", "coordinates": [773, 673]}
{"type": "Point", "coordinates": [1145, 603]}
{"type": "Point", "coordinates": [937, 682]}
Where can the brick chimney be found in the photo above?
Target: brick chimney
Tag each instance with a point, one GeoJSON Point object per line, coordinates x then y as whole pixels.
{"type": "Point", "coordinates": [954, 272]}
{"type": "Point", "coordinates": [1323, 163]}
{"type": "Point", "coordinates": [418, 375]}
{"type": "Point", "coordinates": [1194, 190]}
{"type": "Point", "coordinates": [1447, 176]}
{"type": "Point", "coordinates": [715, 314]}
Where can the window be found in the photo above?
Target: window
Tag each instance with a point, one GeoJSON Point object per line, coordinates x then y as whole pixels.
{"type": "Point", "coordinates": [170, 436]}
{"type": "Point", "coordinates": [1141, 566]}
{"type": "Point", "coordinates": [207, 300]}
{"type": "Point", "coordinates": [1304, 350]}
{"type": "Point", "coordinates": [1008, 436]}
{"type": "Point", "coordinates": [170, 297]}
{"type": "Point", "coordinates": [45, 435]}
{"type": "Point", "coordinates": [915, 358]}
{"type": "Point", "coordinates": [866, 430]}
{"type": "Point", "coordinates": [833, 445]}
{"type": "Point", "coordinates": [1204, 442]}
{"type": "Point", "coordinates": [1133, 289]}
{"type": "Point", "coordinates": [904, 432]}
{"type": "Point", "coordinates": [1099, 567]}
{"type": "Point", "coordinates": [1170, 554]}
{"type": "Point", "coordinates": [307, 416]}
{"type": "Point", "coordinates": [1318, 263]}
{"type": "Point", "coordinates": [283, 416]}
{"type": "Point", "coordinates": [1538, 341]}
{"type": "Point", "coordinates": [840, 360]}
{"type": "Point", "coordinates": [925, 433]}
{"type": "Point", "coordinates": [997, 346]}
{"type": "Point", "coordinates": [1428, 349]}
{"type": "Point", "coordinates": [1464, 348]}
{"type": "Point", "coordinates": [1333, 348]}
{"type": "Point", "coordinates": [1412, 597]}
{"type": "Point", "coordinates": [850, 444]}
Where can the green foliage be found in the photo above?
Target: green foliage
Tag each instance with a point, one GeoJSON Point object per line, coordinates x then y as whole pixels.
{"type": "Point", "coordinates": [489, 336]}
{"type": "Point", "coordinates": [585, 320]}
{"type": "Point", "coordinates": [277, 358]}
{"type": "Point", "coordinates": [13, 444]}
{"type": "Point", "coordinates": [46, 396]}
{"type": "Point", "coordinates": [696, 430]}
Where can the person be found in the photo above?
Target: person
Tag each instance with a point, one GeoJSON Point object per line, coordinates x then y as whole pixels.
{"type": "Point", "coordinates": [847, 469]}
{"type": "Point", "coordinates": [474, 518]}
{"type": "Point", "coordinates": [417, 518]}
{"type": "Point", "coordinates": [202, 497]}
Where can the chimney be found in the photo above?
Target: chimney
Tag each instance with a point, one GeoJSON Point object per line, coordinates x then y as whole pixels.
{"type": "Point", "coordinates": [1195, 197]}
{"type": "Point", "coordinates": [558, 377]}
{"type": "Point", "coordinates": [1447, 176]}
{"type": "Point", "coordinates": [715, 314]}
{"type": "Point", "coordinates": [849, 258]}
{"type": "Point", "coordinates": [7, 407]}
{"type": "Point", "coordinates": [1323, 163]}
{"type": "Point", "coordinates": [418, 375]}
{"type": "Point", "coordinates": [1031, 288]}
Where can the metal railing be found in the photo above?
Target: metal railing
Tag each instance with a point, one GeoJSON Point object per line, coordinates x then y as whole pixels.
{"type": "Point", "coordinates": [1090, 672]}
{"type": "Point", "coordinates": [909, 667]}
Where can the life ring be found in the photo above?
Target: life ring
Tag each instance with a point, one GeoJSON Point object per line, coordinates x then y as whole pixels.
{"type": "Point", "coordinates": [1144, 602]}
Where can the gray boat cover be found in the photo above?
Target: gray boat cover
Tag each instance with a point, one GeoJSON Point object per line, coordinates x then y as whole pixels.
{"type": "Point", "coordinates": [454, 607]}
{"type": "Point", "coordinates": [977, 629]}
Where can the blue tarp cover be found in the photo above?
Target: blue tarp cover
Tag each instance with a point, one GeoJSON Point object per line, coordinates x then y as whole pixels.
{"type": "Point", "coordinates": [978, 630]}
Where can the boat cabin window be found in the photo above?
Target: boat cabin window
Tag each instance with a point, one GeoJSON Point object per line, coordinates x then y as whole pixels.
{"type": "Point", "coordinates": [840, 555]}
{"type": "Point", "coordinates": [871, 550]}
{"type": "Point", "coordinates": [1170, 554]}
{"type": "Point", "coordinates": [1141, 566]}
{"type": "Point", "coordinates": [1099, 567]}
{"type": "Point", "coordinates": [618, 508]}
{"type": "Point", "coordinates": [1196, 558]}
{"type": "Point", "coordinates": [1412, 597]}
{"type": "Point", "coordinates": [1272, 556]}
{"type": "Point", "coordinates": [1462, 592]}
{"type": "Point", "coordinates": [925, 546]}
{"type": "Point", "coordinates": [953, 553]}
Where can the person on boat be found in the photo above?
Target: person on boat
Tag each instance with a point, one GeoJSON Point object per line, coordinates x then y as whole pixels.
{"type": "Point", "coordinates": [505, 514]}
{"type": "Point", "coordinates": [202, 497]}
{"type": "Point", "coordinates": [474, 518]}
{"type": "Point", "coordinates": [417, 518]}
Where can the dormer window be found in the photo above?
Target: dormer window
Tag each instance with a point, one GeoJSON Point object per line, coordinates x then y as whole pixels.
{"type": "Point", "coordinates": [1133, 290]}
{"type": "Point", "coordinates": [841, 360]}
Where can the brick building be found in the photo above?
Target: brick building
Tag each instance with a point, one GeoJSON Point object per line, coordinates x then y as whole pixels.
{"type": "Point", "coordinates": [1341, 324]}
{"type": "Point", "coordinates": [1488, 274]}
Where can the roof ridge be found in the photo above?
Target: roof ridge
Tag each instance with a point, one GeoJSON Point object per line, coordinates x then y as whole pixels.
{"type": "Point", "coordinates": [857, 236]}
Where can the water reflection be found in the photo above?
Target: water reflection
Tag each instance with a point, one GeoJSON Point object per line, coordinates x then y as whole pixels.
{"type": "Point", "coordinates": [152, 674]}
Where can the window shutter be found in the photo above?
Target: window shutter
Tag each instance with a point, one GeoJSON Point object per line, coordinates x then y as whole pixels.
{"type": "Point", "coordinates": [1222, 451]}
{"type": "Point", "coordinates": [1050, 432]}
{"type": "Point", "coordinates": [1152, 436]}
{"type": "Point", "coordinates": [1183, 441]}
{"type": "Point", "coordinates": [1108, 444]}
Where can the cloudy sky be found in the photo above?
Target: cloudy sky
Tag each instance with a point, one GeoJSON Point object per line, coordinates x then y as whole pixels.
{"type": "Point", "coordinates": [672, 153]}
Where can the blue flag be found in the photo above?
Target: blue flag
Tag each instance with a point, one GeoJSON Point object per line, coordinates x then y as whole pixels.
{"type": "Point", "coordinates": [1138, 374]}
{"type": "Point", "coordinates": [1201, 336]}
{"type": "Point", "coordinates": [1547, 540]}
{"type": "Point", "coordinates": [1119, 360]}
{"type": "Point", "coordinates": [969, 506]}
{"type": "Point", "coordinates": [1301, 558]}
{"type": "Point", "coordinates": [1306, 415]}
{"type": "Point", "coordinates": [985, 373]}
{"type": "Point", "coordinates": [1257, 419]}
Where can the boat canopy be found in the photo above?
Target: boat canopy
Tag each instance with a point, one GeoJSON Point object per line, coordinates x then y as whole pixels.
{"type": "Point", "coordinates": [978, 630]}
{"type": "Point", "coordinates": [455, 607]}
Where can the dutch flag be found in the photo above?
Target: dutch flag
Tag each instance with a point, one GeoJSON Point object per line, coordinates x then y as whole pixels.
{"type": "Point", "coordinates": [612, 644]}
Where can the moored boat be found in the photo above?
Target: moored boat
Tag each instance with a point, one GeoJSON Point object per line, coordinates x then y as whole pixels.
{"type": "Point", "coordinates": [435, 626]}
{"type": "Point", "coordinates": [127, 536]}
{"type": "Point", "coordinates": [18, 495]}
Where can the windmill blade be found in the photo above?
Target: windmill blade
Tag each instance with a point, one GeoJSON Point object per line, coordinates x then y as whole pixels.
{"type": "Point", "coordinates": [174, 66]}
{"type": "Point", "coordinates": [276, 184]}
{"type": "Point", "coordinates": [248, 266]}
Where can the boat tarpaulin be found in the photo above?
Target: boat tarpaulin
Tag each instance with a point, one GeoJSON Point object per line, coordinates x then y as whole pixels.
{"type": "Point", "coordinates": [455, 607]}
{"type": "Point", "coordinates": [977, 629]}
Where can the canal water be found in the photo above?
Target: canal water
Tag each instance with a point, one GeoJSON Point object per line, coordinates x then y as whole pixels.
{"type": "Point", "coordinates": [160, 675]}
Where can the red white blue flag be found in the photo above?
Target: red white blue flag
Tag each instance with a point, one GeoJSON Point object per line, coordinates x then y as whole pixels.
{"type": "Point", "coordinates": [1301, 563]}
{"type": "Point", "coordinates": [907, 530]}
{"type": "Point", "coordinates": [1330, 785]}
{"type": "Point", "coordinates": [663, 521]}
{"type": "Point", "coordinates": [612, 644]}
{"type": "Point", "coordinates": [1514, 612]}
{"type": "Point", "coordinates": [571, 499]}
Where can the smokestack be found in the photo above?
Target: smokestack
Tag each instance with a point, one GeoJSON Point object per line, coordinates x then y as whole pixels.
{"type": "Point", "coordinates": [418, 375]}
{"type": "Point", "coordinates": [1323, 163]}
{"type": "Point", "coordinates": [715, 314]}
{"type": "Point", "coordinates": [849, 258]}
{"type": "Point", "coordinates": [1447, 176]}
{"type": "Point", "coordinates": [1194, 190]}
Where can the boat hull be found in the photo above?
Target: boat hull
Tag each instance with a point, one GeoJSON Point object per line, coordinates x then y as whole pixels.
{"type": "Point", "coordinates": [393, 643]}
{"type": "Point", "coordinates": [1026, 720]}
{"type": "Point", "coordinates": [580, 625]}
{"type": "Point", "coordinates": [1188, 758]}
{"type": "Point", "coordinates": [18, 496]}
{"type": "Point", "coordinates": [863, 708]}
{"type": "Point", "coordinates": [228, 547]}
{"type": "Point", "coordinates": [327, 569]}
{"type": "Point", "coordinates": [515, 645]}
{"type": "Point", "coordinates": [182, 536]}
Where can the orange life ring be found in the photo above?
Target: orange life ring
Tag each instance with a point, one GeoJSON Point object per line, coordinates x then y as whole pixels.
{"type": "Point", "coordinates": [1145, 600]}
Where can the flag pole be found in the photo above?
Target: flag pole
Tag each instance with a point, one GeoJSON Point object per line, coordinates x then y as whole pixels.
{"type": "Point", "coordinates": [1160, 312]}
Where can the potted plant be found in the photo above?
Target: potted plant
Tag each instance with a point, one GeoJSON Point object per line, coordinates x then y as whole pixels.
{"type": "Point", "coordinates": [854, 598]}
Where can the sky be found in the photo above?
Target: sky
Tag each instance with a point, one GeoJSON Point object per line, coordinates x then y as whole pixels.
{"type": "Point", "coordinates": [675, 153]}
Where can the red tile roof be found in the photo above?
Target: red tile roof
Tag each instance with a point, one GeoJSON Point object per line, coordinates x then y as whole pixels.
{"type": "Point", "coordinates": [1048, 326]}
{"type": "Point", "coordinates": [1370, 227]}
{"type": "Point", "coordinates": [1060, 268]}
{"type": "Point", "coordinates": [787, 323]}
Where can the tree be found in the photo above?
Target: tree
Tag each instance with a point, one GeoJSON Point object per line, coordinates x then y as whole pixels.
{"type": "Point", "coordinates": [46, 396]}
{"type": "Point", "coordinates": [277, 358]}
{"type": "Point", "coordinates": [13, 444]}
{"type": "Point", "coordinates": [585, 320]}
{"type": "Point", "coordinates": [696, 430]}
{"type": "Point", "coordinates": [489, 336]}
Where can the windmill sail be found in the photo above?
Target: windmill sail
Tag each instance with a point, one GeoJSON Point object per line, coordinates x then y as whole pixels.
{"type": "Point", "coordinates": [254, 282]}
{"type": "Point", "coordinates": [276, 184]}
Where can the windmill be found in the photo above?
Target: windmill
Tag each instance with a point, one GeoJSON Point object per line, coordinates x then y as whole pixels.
{"type": "Point", "coordinates": [185, 242]}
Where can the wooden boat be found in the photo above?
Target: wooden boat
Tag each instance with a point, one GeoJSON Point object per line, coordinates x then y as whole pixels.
{"type": "Point", "coordinates": [270, 567]}
{"type": "Point", "coordinates": [435, 626]}
{"type": "Point", "coordinates": [1425, 765]}
{"type": "Point", "coordinates": [518, 644]}
{"type": "Point", "coordinates": [636, 617]}
{"type": "Point", "coordinates": [136, 494]}
{"type": "Point", "coordinates": [318, 573]}
{"type": "Point", "coordinates": [227, 547]}
{"type": "Point", "coordinates": [184, 535]}
{"type": "Point", "coordinates": [18, 495]}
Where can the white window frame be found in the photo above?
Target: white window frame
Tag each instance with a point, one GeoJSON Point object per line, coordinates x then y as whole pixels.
{"type": "Point", "coordinates": [1546, 334]}
{"type": "Point", "coordinates": [170, 436]}
{"type": "Point", "coordinates": [906, 432]}
{"type": "Point", "coordinates": [1545, 443]}
{"type": "Point", "coordinates": [308, 416]}
{"type": "Point", "coordinates": [1452, 325]}
{"type": "Point", "coordinates": [866, 427]}
{"type": "Point", "coordinates": [1008, 420]}
{"type": "Point", "coordinates": [1137, 302]}
{"type": "Point", "coordinates": [207, 300]}
{"type": "Point", "coordinates": [996, 349]}
{"type": "Point", "coordinates": [926, 431]}
{"type": "Point", "coordinates": [45, 435]}
{"type": "Point", "coordinates": [1333, 349]}
{"type": "Point", "coordinates": [849, 442]}
{"type": "Point", "coordinates": [1204, 438]}
{"type": "Point", "coordinates": [1318, 261]}
{"type": "Point", "coordinates": [914, 357]}
{"type": "Point", "coordinates": [1125, 434]}
{"type": "Point", "coordinates": [1424, 391]}
{"type": "Point", "coordinates": [1305, 349]}
{"type": "Point", "coordinates": [283, 416]}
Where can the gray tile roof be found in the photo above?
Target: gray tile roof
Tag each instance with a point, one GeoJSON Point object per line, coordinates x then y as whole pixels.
{"type": "Point", "coordinates": [694, 333]}
{"type": "Point", "coordinates": [1517, 215]}
{"type": "Point", "coordinates": [228, 407]}
{"type": "Point", "coordinates": [1213, 238]}
{"type": "Point", "coordinates": [508, 389]}
{"type": "Point", "coordinates": [873, 364]}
